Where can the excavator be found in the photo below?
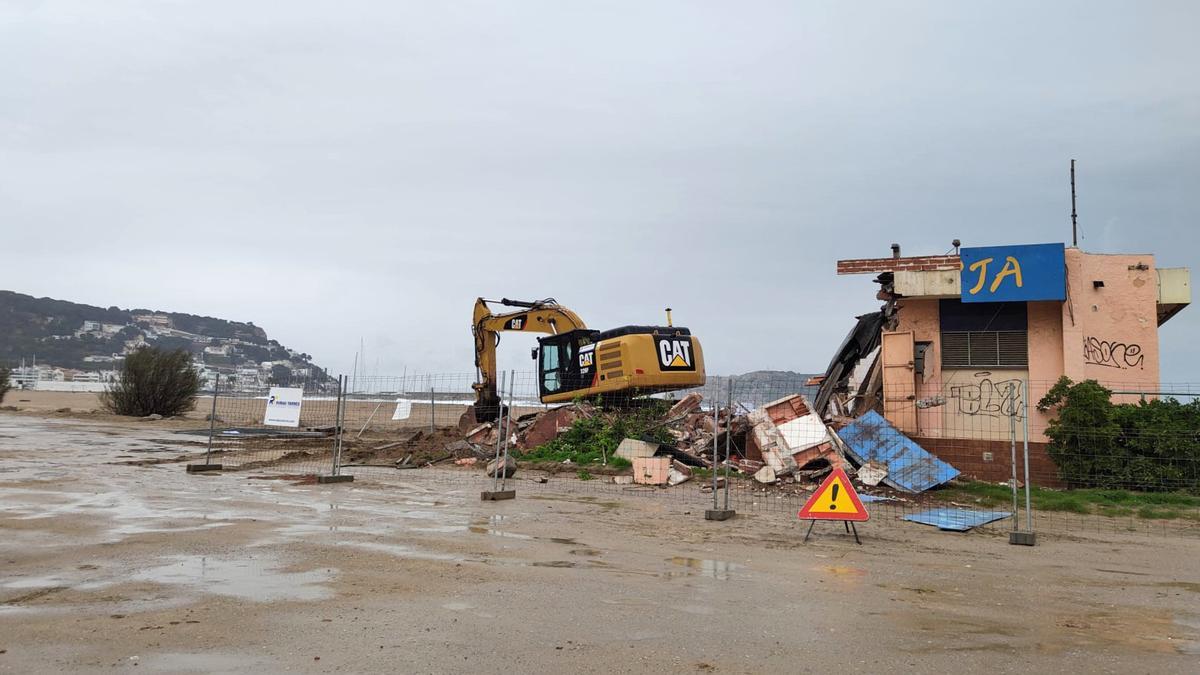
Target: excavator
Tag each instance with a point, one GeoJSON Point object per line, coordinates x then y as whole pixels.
{"type": "Point", "coordinates": [574, 361]}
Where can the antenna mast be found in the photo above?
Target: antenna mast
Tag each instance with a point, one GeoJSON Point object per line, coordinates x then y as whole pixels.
{"type": "Point", "coordinates": [1074, 220]}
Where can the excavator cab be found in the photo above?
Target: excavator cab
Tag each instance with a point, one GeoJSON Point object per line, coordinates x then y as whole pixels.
{"type": "Point", "coordinates": [566, 362]}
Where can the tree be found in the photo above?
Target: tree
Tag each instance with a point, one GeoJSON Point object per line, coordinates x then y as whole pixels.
{"type": "Point", "coordinates": [281, 375]}
{"type": "Point", "coordinates": [153, 382]}
{"type": "Point", "coordinates": [4, 383]}
{"type": "Point", "coordinates": [1151, 445]}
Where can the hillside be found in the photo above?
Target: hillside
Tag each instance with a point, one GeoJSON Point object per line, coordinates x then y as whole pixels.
{"type": "Point", "coordinates": [74, 336]}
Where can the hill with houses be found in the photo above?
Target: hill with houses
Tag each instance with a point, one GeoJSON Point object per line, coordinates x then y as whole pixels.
{"type": "Point", "coordinates": [48, 339]}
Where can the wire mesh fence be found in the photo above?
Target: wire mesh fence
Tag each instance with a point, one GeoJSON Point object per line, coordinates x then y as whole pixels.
{"type": "Point", "coordinates": [976, 450]}
{"type": "Point", "coordinates": [239, 437]}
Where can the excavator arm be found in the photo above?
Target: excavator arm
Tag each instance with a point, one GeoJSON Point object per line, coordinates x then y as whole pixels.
{"type": "Point", "coordinates": [543, 316]}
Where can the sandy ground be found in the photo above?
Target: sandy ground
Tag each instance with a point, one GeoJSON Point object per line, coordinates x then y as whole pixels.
{"type": "Point", "coordinates": [370, 415]}
{"type": "Point", "coordinates": [112, 565]}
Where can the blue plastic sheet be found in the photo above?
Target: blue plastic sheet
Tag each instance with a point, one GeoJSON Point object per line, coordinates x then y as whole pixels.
{"type": "Point", "coordinates": [958, 520]}
{"type": "Point", "coordinates": [872, 438]}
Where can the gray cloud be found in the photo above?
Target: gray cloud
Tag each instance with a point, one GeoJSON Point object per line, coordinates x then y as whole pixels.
{"type": "Point", "coordinates": [337, 170]}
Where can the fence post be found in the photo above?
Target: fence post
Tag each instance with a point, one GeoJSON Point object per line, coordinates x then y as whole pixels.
{"type": "Point", "coordinates": [212, 428]}
{"type": "Point", "coordinates": [335, 471]}
{"type": "Point", "coordinates": [1026, 538]}
{"type": "Point", "coordinates": [500, 464]}
{"type": "Point", "coordinates": [1012, 442]}
{"type": "Point", "coordinates": [717, 512]}
{"type": "Point", "coordinates": [728, 441]}
{"type": "Point", "coordinates": [432, 412]}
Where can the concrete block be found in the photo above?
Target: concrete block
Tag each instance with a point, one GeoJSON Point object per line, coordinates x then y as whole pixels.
{"type": "Point", "coordinates": [631, 449]}
{"type": "Point", "coordinates": [719, 514]}
{"type": "Point", "coordinates": [344, 478]}
{"type": "Point", "coordinates": [651, 470]}
{"type": "Point", "coordinates": [498, 495]}
{"type": "Point", "coordinates": [199, 468]}
{"type": "Point", "coordinates": [1022, 538]}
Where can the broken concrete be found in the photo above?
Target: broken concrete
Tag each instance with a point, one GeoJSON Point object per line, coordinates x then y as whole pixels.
{"type": "Point", "coordinates": [651, 470]}
{"type": "Point", "coordinates": [631, 449]}
{"type": "Point", "coordinates": [685, 405]}
{"type": "Point", "coordinates": [872, 474]}
{"type": "Point", "coordinates": [509, 467]}
{"type": "Point", "coordinates": [765, 475]}
{"type": "Point", "coordinates": [546, 426]}
{"type": "Point", "coordinates": [484, 434]}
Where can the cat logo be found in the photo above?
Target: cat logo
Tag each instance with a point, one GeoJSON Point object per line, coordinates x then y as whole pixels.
{"type": "Point", "coordinates": [586, 359]}
{"type": "Point", "coordinates": [675, 353]}
{"type": "Point", "coordinates": [516, 323]}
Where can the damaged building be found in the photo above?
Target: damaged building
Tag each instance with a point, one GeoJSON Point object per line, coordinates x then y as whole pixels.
{"type": "Point", "coordinates": [963, 341]}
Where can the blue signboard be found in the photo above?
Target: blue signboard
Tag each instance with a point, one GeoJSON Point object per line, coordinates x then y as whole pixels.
{"type": "Point", "coordinates": [1013, 273]}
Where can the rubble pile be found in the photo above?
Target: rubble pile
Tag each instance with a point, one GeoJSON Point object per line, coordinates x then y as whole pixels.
{"type": "Point", "coordinates": [780, 443]}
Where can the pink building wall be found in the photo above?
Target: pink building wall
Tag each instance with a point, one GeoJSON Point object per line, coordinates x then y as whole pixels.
{"type": "Point", "coordinates": [1108, 333]}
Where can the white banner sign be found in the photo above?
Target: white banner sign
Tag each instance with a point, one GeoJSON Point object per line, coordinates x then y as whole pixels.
{"type": "Point", "coordinates": [403, 409]}
{"type": "Point", "coordinates": [283, 407]}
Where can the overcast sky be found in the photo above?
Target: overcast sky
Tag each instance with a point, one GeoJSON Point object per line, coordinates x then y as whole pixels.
{"type": "Point", "coordinates": [337, 170]}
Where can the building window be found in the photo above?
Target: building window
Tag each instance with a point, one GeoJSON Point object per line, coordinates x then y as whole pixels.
{"type": "Point", "coordinates": [984, 335]}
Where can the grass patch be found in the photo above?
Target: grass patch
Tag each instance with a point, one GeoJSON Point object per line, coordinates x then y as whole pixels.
{"type": "Point", "coordinates": [1149, 513]}
{"type": "Point", "coordinates": [584, 475]}
{"type": "Point", "coordinates": [705, 474]}
{"type": "Point", "coordinates": [549, 453]}
{"type": "Point", "coordinates": [1114, 511]}
{"type": "Point", "coordinates": [1107, 502]}
{"type": "Point", "coordinates": [592, 440]}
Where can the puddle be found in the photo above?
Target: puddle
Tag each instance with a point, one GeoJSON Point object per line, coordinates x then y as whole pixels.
{"type": "Point", "coordinates": [259, 580]}
{"type": "Point", "coordinates": [1185, 585]}
{"type": "Point", "coordinates": [842, 570]}
{"type": "Point", "coordinates": [717, 569]}
{"type": "Point", "coordinates": [489, 527]}
{"type": "Point", "coordinates": [480, 529]}
{"type": "Point", "coordinates": [202, 662]}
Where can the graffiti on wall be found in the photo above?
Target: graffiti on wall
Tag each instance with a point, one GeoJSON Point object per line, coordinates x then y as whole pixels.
{"type": "Point", "coordinates": [998, 398]}
{"type": "Point", "coordinates": [1112, 354]}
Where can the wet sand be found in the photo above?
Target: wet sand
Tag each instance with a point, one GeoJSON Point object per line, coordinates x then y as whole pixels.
{"type": "Point", "coordinates": [108, 564]}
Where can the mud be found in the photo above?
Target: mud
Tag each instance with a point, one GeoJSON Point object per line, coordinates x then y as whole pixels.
{"type": "Point", "coordinates": [110, 565]}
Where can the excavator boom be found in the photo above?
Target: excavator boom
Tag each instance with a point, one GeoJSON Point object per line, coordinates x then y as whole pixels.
{"type": "Point", "coordinates": [542, 316]}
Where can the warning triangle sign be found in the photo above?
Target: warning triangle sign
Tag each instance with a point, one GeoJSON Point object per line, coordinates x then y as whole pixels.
{"type": "Point", "coordinates": [677, 362]}
{"type": "Point", "coordinates": [834, 500]}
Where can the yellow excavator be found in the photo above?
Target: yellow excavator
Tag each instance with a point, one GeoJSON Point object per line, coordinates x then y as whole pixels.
{"type": "Point", "coordinates": [574, 361]}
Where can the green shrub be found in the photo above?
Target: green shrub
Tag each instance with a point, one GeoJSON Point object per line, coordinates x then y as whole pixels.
{"type": "Point", "coordinates": [5, 385]}
{"type": "Point", "coordinates": [153, 382]}
{"type": "Point", "coordinates": [1151, 445]}
{"type": "Point", "coordinates": [592, 439]}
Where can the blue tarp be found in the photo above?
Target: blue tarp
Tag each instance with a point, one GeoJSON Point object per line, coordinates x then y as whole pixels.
{"type": "Point", "coordinates": [959, 520]}
{"type": "Point", "coordinates": [910, 468]}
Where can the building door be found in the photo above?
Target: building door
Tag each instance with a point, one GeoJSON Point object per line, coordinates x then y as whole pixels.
{"type": "Point", "coordinates": [899, 381]}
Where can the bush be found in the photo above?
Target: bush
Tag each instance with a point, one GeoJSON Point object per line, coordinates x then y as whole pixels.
{"type": "Point", "coordinates": [592, 439]}
{"type": "Point", "coordinates": [5, 385]}
{"type": "Point", "coordinates": [153, 382]}
{"type": "Point", "coordinates": [1151, 445]}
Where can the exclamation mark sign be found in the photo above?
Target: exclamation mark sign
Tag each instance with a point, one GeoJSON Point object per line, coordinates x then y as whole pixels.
{"type": "Point", "coordinates": [833, 500]}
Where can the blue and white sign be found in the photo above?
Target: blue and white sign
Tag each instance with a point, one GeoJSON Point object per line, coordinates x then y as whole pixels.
{"type": "Point", "coordinates": [283, 407]}
{"type": "Point", "coordinates": [1014, 273]}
